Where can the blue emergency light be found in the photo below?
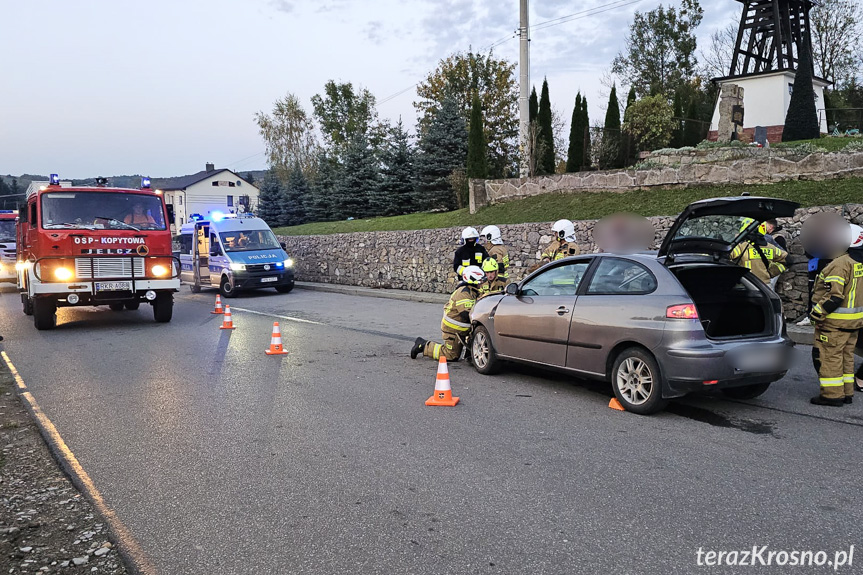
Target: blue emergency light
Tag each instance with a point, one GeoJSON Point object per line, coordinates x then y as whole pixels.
{"type": "Point", "coordinates": [145, 183]}
{"type": "Point", "coordinates": [55, 179]}
{"type": "Point", "coordinates": [7, 211]}
{"type": "Point", "coordinates": [217, 216]}
{"type": "Point", "coordinates": [196, 217]}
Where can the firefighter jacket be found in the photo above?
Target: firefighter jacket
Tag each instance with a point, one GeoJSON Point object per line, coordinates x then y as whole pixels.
{"type": "Point", "coordinates": [456, 312]}
{"type": "Point", "coordinates": [470, 254]}
{"type": "Point", "coordinates": [837, 299]}
{"type": "Point", "coordinates": [749, 255]}
{"type": "Point", "coordinates": [557, 250]}
{"type": "Point", "coordinates": [501, 256]}
{"type": "Point", "coordinates": [493, 287]}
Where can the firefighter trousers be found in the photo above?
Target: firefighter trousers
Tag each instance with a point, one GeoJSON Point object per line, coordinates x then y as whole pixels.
{"type": "Point", "coordinates": [451, 347]}
{"type": "Point", "coordinates": [833, 354]}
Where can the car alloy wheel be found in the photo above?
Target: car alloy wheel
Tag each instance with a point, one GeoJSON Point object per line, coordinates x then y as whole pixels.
{"type": "Point", "coordinates": [480, 350]}
{"type": "Point", "coordinates": [635, 380]}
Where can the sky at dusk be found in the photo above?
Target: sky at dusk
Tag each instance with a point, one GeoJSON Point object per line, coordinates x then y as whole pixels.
{"type": "Point", "coordinates": [99, 87]}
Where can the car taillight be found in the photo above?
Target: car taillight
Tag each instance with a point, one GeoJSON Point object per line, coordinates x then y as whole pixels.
{"type": "Point", "coordinates": [685, 311]}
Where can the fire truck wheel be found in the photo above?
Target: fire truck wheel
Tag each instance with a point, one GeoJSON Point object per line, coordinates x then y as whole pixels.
{"type": "Point", "coordinates": [227, 288]}
{"type": "Point", "coordinates": [28, 306]}
{"type": "Point", "coordinates": [116, 306]}
{"type": "Point", "coordinates": [163, 307]}
{"type": "Point", "coordinates": [44, 314]}
{"type": "Point", "coordinates": [132, 305]}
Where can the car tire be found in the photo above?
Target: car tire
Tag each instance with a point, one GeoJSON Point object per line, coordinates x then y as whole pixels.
{"type": "Point", "coordinates": [226, 288]}
{"type": "Point", "coordinates": [637, 381]}
{"type": "Point", "coordinates": [132, 305]}
{"type": "Point", "coordinates": [285, 288]}
{"type": "Point", "coordinates": [482, 354]}
{"type": "Point", "coordinates": [116, 306]}
{"type": "Point", "coordinates": [163, 307]}
{"type": "Point", "coordinates": [44, 314]}
{"type": "Point", "coordinates": [746, 391]}
{"type": "Point", "coordinates": [27, 304]}
{"type": "Point", "coordinates": [194, 288]}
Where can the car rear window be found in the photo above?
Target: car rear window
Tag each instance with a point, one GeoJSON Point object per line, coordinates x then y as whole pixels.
{"type": "Point", "coordinates": [727, 229]}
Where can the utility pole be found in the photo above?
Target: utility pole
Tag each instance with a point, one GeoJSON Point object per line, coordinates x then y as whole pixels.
{"type": "Point", "coordinates": [524, 92]}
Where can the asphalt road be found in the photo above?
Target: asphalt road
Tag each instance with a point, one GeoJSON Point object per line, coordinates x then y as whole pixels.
{"type": "Point", "coordinates": [222, 460]}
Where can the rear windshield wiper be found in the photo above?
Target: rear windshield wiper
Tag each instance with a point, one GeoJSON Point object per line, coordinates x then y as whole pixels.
{"type": "Point", "coordinates": [116, 221]}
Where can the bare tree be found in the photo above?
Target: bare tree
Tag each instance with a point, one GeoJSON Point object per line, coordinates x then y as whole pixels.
{"type": "Point", "coordinates": [836, 40]}
{"type": "Point", "coordinates": [289, 137]}
{"type": "Point", "coordinates": [716, 57]}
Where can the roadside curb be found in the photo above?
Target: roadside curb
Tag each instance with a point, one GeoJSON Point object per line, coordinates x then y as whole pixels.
{"type": "Point", "coordinates": [403, 295]}
{"type": "Point", "coordinates": [801, 335]}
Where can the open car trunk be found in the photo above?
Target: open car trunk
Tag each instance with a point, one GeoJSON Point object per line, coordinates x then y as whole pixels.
{"type": "Point", "coordinates": [729, 304]}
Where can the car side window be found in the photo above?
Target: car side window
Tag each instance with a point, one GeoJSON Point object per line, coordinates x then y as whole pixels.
{"type": "Point", "coordinates": [618, 276]}
{"type": "Point", "coordinates": [559, 280]}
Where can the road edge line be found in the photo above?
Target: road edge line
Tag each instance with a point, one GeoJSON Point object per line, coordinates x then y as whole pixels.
{"type": "Point", "coordinates": [133, 555]}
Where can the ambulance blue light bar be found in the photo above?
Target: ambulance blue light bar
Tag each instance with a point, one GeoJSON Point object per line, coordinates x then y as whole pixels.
{"type": "Point", "coordinates": [145, 183]}
{"type": "Point", "coordinates": [7, 211]}
{"type": "Point", "coordinates": [55, 179]}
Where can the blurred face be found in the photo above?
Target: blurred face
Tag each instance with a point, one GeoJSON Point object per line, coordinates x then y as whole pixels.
{"type": "Point", "coordinates": [138, 209]}
{"type": "Point", "coordinates": [769, 227]}
{"type": "Point", "coordinates": [490, 276]}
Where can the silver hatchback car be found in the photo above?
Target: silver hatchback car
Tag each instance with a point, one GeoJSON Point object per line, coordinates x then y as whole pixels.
{"type": "Point", "coordinates": [657, 325]}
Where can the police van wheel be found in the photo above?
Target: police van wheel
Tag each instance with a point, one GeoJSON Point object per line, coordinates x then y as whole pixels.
{"type": "Point", "coordinates": [227, 288]}
{"type": "Point", "coordinates": [44, 314]}
{"type": "Point", "coordinates": [116, 306]}
{"type": "Point", "coordinates": [285, 288]}
{"type": "Point", "coordinates": [132, 305]}
{"type": "Point", "coordinates": [163, 307]}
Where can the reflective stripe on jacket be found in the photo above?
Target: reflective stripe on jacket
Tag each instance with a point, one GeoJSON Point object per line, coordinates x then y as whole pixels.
{"type": "Point", "coordinates": [501, 256]}
{"type": "Point", "coordinates": [557, 250]}
{"type": "Point", "coordinates": [842, 280]}
{"type": "Point", "coordinates": [456, 312]}
{"type": "Point", "coordinates": [747, 255]}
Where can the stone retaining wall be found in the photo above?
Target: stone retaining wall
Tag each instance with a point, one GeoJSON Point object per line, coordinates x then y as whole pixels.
{"type": "Point", "coordinates": [421, 260]}
{"type": "Point", "coordinates": [680, 169]}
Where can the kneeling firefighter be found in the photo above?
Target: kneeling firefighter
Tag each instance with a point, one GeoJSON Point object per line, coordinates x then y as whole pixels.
{"type": "Point", "coordinates": [455, 326]}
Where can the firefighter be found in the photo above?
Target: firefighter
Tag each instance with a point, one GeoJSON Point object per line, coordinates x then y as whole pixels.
{"type": "Point", "coordinates": [469, 254]}
{"type": "Point", "coordinates": [837, 310]}
{"type": "Point", "coordinates": [765, 260]}
{"type": "Point", "coordinates": [455, 326]}
{"type": "Point", "coordinates": [491, 235]}
{"type": "Point", "coordinates": [564, 243]}
{"type": "Point", "coordinates": [493, 283]}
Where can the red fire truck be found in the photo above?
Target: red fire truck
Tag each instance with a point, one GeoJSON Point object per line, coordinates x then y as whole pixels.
{"type": "Point", "coordinates": [90, 246]}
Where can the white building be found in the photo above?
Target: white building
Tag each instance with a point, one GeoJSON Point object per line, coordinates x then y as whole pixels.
{"type": "Point", "coordinates": [208, 191]}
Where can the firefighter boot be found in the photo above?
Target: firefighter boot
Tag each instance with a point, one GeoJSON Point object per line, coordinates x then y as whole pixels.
{"type": "Point", "coordinates": [418, 347]}
{"type": "Point", "coordinates": [820, 400]}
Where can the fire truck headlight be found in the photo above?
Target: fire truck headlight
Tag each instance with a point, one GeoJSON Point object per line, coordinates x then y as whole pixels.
{"type": "Point", "coordinates": [63, 274]}
{"type": "Point", "coordinates": [159, 270]}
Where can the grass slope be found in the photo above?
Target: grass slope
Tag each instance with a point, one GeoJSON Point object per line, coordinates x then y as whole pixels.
{"type": "Point", "coordinates": [594, 205]}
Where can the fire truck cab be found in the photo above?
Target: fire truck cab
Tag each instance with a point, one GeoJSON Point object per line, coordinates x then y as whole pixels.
{"type": "Point", "coordinates": [7, 245]}
{"type": "Point", "coordinates": [91, 246]}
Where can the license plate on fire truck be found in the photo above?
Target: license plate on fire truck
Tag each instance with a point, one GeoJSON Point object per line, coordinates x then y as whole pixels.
{"type": "Point", "coordinates": [113, 286]}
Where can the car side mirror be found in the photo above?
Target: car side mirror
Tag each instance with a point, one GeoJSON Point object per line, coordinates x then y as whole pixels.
{"type": "Point", "coordinates": [511, 289]}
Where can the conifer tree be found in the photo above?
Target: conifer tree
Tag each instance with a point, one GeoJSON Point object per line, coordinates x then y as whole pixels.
{"type": "Point", "coordinates": [575, 153]}
{"type": "Point", "coordinates": [545, 160]}
{"type": "Point", "coordinates": [356, 191]}
{"type": "Point", "coordinates": [677, 135]}
{"type": "Point", "coordinates": [442, 151]}
{"type": "Point", "coordinates": [610, 153]}
{"type": "Point", "coordinates": [692, 133]}
{"type": "Point", "coordinates": [397, 182]}
{"type": "Point", "coordinates": [294, 195]}
{"type": "Point", "coordinates": [320, 206]}
{"type": "Point", "coordinates": [585, 121]}
{"type": "Point", "coordinates": [270, 200]}
{"type": "Point", "coordinates": [532, 105]}
{"type": "Point", "coordinates": [801, 120]}
{"type": "Point", "coordinates": [477, 147]}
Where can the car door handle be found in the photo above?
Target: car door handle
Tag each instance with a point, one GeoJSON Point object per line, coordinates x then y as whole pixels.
{"type": "Point", "coordinates": [562, 310]}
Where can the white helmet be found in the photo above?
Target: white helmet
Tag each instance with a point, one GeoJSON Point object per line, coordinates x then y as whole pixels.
{"type": "Point", "coordinates": [473, 275]}
{"type": "Point", "coordinates": [856, 236]}
{"type": "Point", "coordinates": [492, 234]}
{"type": "Point", "coordinates": [469, 234]}
{"type": "Point", "coordinates": [565, 230]}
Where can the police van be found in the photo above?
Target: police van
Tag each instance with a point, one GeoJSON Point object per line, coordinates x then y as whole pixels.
{"type": "Point", "coordinates": [8, 251]}
{"type": "Point", "coordinates": [233, 252]}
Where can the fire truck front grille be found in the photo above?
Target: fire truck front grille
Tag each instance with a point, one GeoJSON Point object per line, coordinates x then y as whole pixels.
{"type": "Point", "coordinates": [100, 268]}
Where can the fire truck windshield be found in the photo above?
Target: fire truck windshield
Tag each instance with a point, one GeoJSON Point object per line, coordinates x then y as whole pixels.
{"type": "Point", "coordinates": [101, 211]}
{"type": "Point", "coordinates": [7, 230]}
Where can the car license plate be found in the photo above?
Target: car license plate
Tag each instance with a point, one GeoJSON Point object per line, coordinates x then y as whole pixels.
{"type": "Point", "coordinates": [265, 280]}
{"type": "Point", "coordinates": [113, 286]}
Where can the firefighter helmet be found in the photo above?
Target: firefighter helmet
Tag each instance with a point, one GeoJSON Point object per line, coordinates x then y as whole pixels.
{"type": "Point", "coordinates": [490, 265]}
{"type": "Point", "coordinates": [746, 222]}
{"type": "Point", "coordinates": [856, 236]}
{"type": "Point", "coordinates": [564, 229]}
{"type": "Point", "coordinates": [492, 234]}
{"type": "Point", "coordinates": [473, 275]}
{"type": "Point", "coordinates": [469, 234]}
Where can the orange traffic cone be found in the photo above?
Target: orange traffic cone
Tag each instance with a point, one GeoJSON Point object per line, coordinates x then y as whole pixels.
{"type": "Point", "coordinates": [276, 342]}
{"type": "Point", "coordinates": [614, 404]}
{"type": "Point", "coordinates": [442, 389]}
{"type": "Point", "coordinates": [227, 322]}
{"type": "Point", "coordinates": [218, 309]}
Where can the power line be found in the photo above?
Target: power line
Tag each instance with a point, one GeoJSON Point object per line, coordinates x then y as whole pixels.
{"type": "Point", "coordinates": [584, 13]}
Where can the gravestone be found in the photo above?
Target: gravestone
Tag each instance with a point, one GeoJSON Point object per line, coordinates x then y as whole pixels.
{"type": "Point", "coordinates": [761, 135]}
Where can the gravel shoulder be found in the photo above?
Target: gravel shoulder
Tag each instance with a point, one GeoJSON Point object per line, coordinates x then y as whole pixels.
{"type": "Point", "coordinates": [46, 524]}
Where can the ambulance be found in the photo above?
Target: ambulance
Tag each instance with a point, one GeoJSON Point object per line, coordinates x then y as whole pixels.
{"type": "Point", "coordinates": [92, 246]}
{"type": "Point", "coordinates": [8, 255]}
{"type": "Point", "coordinates": [233, 252]}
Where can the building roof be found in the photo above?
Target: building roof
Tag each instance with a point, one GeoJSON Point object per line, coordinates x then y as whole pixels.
{"type": "Point", "coordinates": [183, 182]}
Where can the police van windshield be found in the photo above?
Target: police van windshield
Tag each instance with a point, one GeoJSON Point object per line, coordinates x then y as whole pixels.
{"type": "Point", "coordinates": [102, 211]}
{"type": "Point", "coordinates": [249, 240]}
{"type": "Point", "coordinates": [7, 230]}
